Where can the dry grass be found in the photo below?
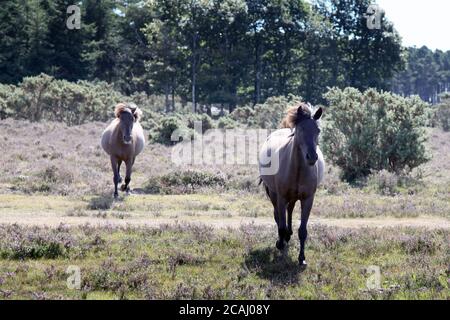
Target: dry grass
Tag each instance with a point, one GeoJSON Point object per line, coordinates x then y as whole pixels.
{"type": "Point", "coordinates": [52, 173]}
{"type": "Point", "coordinates": [192, 261]}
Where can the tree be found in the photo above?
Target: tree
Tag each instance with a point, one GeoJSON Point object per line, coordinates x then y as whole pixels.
{"type": "Point", "coordinates": [369, 57]}
{"type": "Point", "coordinates": [12, 46]}
{"type": "Point", "coordinates": [66, 45]}
{"type": "Point", "coordinates": [371, 131]}
{"type": "Point", "coordinates": [102, 39]}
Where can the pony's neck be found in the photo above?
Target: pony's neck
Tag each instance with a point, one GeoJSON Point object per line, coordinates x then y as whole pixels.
{"type": "Point", "coordinates": [118, 131]}
{"type": "Point", "coordinates": [298, 162]}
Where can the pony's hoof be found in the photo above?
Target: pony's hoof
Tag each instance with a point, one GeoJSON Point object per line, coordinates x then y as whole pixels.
{"type": "Point", "coordinates": [116, 195]}
{"type": "Point", "coordinates": [288, 237]}
{"type": "Point", "coordinates": [281, 245]}
{"type": "Point", "coordinates": [302, 263]}
{"type": "Point", "coordinates": [123, 187]}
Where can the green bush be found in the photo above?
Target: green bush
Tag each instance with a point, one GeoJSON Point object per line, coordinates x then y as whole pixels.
{"type": "Point", "coordinates": [390, 183]}
{"type": "Point", "coordinates": [442, 115]}
{"type": "Point", "coordinates": [163, 132]}
{"type": "Point", "coordinates": [227, 122]}
{"type": "Point", "coordinates": [267, 115]}
{"type": "Point", "coordinates": [184, 182]}
{"type": "Point", "coordinates": [205, 120]}
{"type": "Point", "coordinates": [46, 98]}
{"type": "Point", "coordinates": [6, 92]}
{"type": "Point", "coordinates": [372, 131]}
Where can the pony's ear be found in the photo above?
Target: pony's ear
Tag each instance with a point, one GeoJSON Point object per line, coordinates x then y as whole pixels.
{"type": "Point", "coordinates": [318, 114]}
{"type": "Point", "coordinates": [137, 113]}
{"type": "Point", "coordinates": [302, 114]}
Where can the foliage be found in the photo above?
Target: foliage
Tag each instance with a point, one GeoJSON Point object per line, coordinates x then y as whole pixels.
{"type": "Point", "coordinates": [170, 128]}
{"type": "Point", "coordinates": [427, 74]}
{"type": "Point", "coordinates": [442, 113]}
{"type": "Point", "coordinates": [185, 182]}
{"type": "Point", "coordinates": [194, 261]}
{"type": "Point", "coordinates": [371, 131]}
{"type": "Point", "coordinates": [224, 53]}
{"type": "Point", "coordinates": [45, 98]}
{"type": "Point", "coordinates": [267, 115]}
{"type": "Point", "coordinates": [203, 119]}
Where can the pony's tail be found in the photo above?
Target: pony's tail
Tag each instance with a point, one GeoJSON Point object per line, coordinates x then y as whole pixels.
{"type": "Point", "coordinates": [265, 186]}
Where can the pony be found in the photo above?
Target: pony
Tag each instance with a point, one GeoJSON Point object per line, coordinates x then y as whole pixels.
{"type": "Point", "coordinates": [123, 140]}
{"type": "Point", "coordinates": [299, 171]}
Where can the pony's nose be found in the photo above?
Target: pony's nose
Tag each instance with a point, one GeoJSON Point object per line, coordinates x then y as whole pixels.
{"type": "Point", "coordinates": [311, 158]}
{"type": "Point", "coordinates": [127, 139]}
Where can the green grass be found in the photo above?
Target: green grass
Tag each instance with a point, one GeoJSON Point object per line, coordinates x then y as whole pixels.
{"type": "Point", "coordinates": [199, 262]}
{"type": "Point", "coordinates": [213, 205]}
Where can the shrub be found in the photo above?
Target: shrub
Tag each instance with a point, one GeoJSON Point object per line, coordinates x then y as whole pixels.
{"type": "Point", "coordinates": [227, 122]}
{"type": "Point", "coordinates": [384, 182]}
{"type": "Point", "coordinates": [43, 97]}
{"type": "Point", "coordinates": [46, 98]}
{"type": "Point", "coordinates": [32, 243]}
{"type": "Point", "coordinates": [442, 115]}
{"type": "Point", "coordinates": [372, 131]}
{"type": "Point", "coordinates": [163, 133]}
{"type": "Point", "coordinates": [6, 91]}
{"type": "Point", "coordinates": [101, 202]}
{"type": "Point", "coordinates": [184, 182]}
{"type": "Point", "coordinates": [267, 115]}
{"type": "Point", "coordinates": [204, 119]}
{"type": "Point", "coordinates": [390, 183]}
{"type": "Point", "coordinates": [52, 179]}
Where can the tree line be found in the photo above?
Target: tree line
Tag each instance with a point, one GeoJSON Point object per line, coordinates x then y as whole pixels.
{"type": "Point", "coordinates": [206, 52]}
{"type": "Point", "coordinates": [427, 74]}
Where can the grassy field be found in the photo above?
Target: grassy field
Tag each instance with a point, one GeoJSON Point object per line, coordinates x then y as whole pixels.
{"type": "Point", "coordinates": [57, 210]}
{"type": "Point", "coordinates": [192, 261]}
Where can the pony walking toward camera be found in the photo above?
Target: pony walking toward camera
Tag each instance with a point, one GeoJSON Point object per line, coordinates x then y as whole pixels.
{"type": "Point", "coordinates": [291, 167]}
{"type": "Point", "coordinates": [123, 140]}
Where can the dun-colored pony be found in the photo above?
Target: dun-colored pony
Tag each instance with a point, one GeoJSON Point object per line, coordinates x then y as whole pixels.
{"type": "Point", "coordinates": [300, 171]}
{"type": "Point", "coordinates": [123, 140]}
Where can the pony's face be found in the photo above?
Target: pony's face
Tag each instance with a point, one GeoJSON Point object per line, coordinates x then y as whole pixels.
{"type": "Point", "coordinates": [307, 134]}
{"type": "Point", "coordinates": [127, 119]}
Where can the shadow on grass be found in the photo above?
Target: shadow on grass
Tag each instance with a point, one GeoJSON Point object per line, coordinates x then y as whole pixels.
{"type": "Point", "coordinates": [269, 263]}
{"type": "Point", "coordinates": [101, 202]}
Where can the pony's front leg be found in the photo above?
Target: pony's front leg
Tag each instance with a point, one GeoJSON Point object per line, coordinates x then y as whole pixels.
{"type": "Point", "coordinates": [126, 185]}
{"type": "Point", "coordinates": [290, 209]}
{"type": "Point", "coordinates": [116, 179]}
{"type": "Point", "coordinates": [302, 231]}
{"type": "Point", "coordinates": [282, 228]}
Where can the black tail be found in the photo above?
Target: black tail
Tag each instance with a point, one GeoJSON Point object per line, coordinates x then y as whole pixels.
{"type": "Point", "coordinates": [265, 187]}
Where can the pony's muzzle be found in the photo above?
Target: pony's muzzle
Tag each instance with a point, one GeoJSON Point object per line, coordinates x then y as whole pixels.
{"type": "Point", "coordinates": [312, 158]}
{"type": "Point", "coordinates": [127, 139]}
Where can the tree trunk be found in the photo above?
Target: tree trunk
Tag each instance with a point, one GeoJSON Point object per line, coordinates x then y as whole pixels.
{"type": "Point", "coordinates": [173, 100]}
{"type": "Point", "coordinates": [257, 69]}
{"type": "Point", "coordinates": [166, 96]}
{"type": "Point", "coordinates": [194, 72]}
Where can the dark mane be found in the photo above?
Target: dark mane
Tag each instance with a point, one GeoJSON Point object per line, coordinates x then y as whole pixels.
{"type": "Point", "coordinates": [121, 107]}
{"type": "Point", "coordinates": [290, 120]}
